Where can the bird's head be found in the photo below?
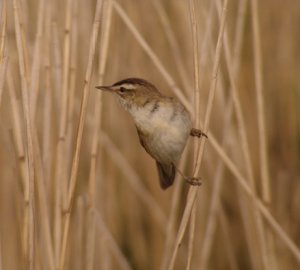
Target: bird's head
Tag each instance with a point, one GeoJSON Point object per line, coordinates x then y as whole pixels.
{"type": "Point", "coordinates": [132, 92]}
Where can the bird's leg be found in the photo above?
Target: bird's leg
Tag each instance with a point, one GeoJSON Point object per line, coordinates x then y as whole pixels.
{"type": "Point", "coordinates": [197, 133]}
{"type": "Point", "coordinates": [193, 181]}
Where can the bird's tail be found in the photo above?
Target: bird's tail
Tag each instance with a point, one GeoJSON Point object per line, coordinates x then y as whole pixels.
{"type": "Point", "coordinates": [166, 174]}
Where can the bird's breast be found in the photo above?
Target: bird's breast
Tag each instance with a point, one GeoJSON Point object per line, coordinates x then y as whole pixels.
{"type": "Point", "coordinates": [165, 127]}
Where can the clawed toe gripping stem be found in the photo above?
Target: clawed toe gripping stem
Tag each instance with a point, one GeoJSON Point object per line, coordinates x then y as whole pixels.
{"type": "Point", "coordinates": [193, 181]}
{"type": "Point", "coordinates": [197, 133]}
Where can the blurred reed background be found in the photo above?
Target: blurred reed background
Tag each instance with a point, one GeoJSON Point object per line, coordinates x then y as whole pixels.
{"type": "Point", "coordinates": [77, 191]}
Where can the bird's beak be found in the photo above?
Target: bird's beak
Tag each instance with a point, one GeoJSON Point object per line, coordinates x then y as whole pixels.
{"type": "Point", "coordinates": [105, 88]}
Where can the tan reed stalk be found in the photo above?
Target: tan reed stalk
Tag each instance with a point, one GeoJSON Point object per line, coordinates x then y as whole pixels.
{"type": "Point", "coordinates": [205, 49]}
{"type": "Point", "coordinates": [151, 54]}
{"type": "Point", "coordinates": [73, 73]}
{"type": "Point", "coordinates": [90, 240]}
{"type": "Point", "coordinates": [232, 258]}
{"type": "Point", "coordinates": [165, 74]}
{"type": "Point", "coordinates": [105, 233]}
{"type": "Point", "coordinates": [171, 224]}
{"type": "Point", "coordinates": [97, 123]}
{"type": "Point", "coordinates": [83, 110]}
{"type": "Point", "coordinates": [205, 42]}
{"type": "Point", "coordinates": [209, 230]}
{"type": "Point", "coordinates": [22, 158]}
{"type": "Point", "coordinates": [61, 162]}
{"type": "Point", "coordinates": [29, 201]}
{"type": "Point", "coordinates": [245, 213]}
{"type": "Point", "coordinates": [97, 120]}
{"type": "Point", "coordinates": [43, 208]}
{"type": "Point", "coordinates": [238, 37]}
{"type": "Point", "coordinates": [3, 29]}
{"type": "Point", "coordinates": [228, 242]}
{"type": "Point", "coordinates": [20, 152]}
{"type": "Point", "coordinates": [207, 242]}
{"type": "Point", "coordinates": [158, 63]}
{"type": "Point", "coordinates": [23, 23]}
{"type": "Point", "coordinates": [80, 218]}
{"type": "Point", "coordinates": [57, 63]}
{"type": "Point", "coordinates": [236, 54]}
{"type": "Point", "coordinates": [17, 132]}
{"type": "Point", "coordinates": [3, 69]}
{"type": "Point", "coordinates": [47, 151]}
{"type": "Point", "coordinates": [252, 231]}
{"type": "Point", "coordinates": [65, 72]}
{"type": "Point", "coordinates": [193, 190]}
{"type": "Point", "coordinates": [263, 155]}
{"type": "Point", "coordinates": [244, 185]}
{"type": "Point", "coordinates": [3, 57]}
{"type": "Point", "coordinates": [42, 201]}
{"type": "Point", "coordinates": [231, 166]}
{"type": "Point", "coordinates": [262, 134]}
{"type": "Point", "coordinates": [134, 180]}
{"type": "Point", "coordinates": [191, 238]}
{"type": "Point", "coordinates": [213, 84]}
{"type": "Point", "coordinates": [38, 255]}
{"type": "Point", "coordinates": [259, 229]}
{"type": "Point", "coordinates": [196, 122]}
{"type": "Point", "coordinates": [196, 73]}
{"type": "Point", "coordinates": [36, 63]}
{"type": "Point", "coordinates": [177, 56]}
{"type": "Point", "coordinates": [214, 207]}
{"type": "Point", "coordinates": [70, 128]}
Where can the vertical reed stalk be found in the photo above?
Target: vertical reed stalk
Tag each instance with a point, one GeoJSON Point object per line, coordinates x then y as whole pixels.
{"type": "Point", "coordinates": [151, 54]}
{"type": "Point", "coordinates": [193, 190]}
{"type": "Point", "coordinates": [83, 111]}
{"type": "Point", "coordinates": [29, 193]}
{"type": "Point", "coordinates": [197, 120]}
{"type": "Point", "coordinates": [171, 225]}
{"type": "Point", "coordinates": [61, 162]}
{"type": "Point", "coordinates": [50, 60]}
{"type": "Point", "coordinates": [3, 57]}
{"type": "Point", "coordinates": [262, 131]}
{"type": "Point", "coordinates": [97, 120]}
{"type": "Point", "coordinates": [36, 63]}
{"type": "Point", "coordinates": [47, 151]}
{"type": "Point", "coordinates": [266, 193]}
{"type": "Point", "coordinates": [259, 233]}
{"type": "Point", "coordinates": [177, 55]}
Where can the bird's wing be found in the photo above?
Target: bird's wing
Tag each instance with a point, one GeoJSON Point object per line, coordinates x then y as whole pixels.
{"type": "Point", "coordinates": [142, 141]}
{"type": "Point", "coordinates": [166, 173]}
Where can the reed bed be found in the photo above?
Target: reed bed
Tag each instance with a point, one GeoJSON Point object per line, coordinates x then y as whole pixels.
{"type": "Point", "coordinates": [77, 191]}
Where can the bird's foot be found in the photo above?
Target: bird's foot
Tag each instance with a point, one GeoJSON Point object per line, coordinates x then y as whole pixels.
{"type": "Point", "coordinates": [194, 181]}
{"type": "Point", "coordinates": [197, 133]}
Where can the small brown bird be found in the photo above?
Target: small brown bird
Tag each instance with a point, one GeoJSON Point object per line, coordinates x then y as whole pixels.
{"type": "Point", "coordinates": [163, 124]}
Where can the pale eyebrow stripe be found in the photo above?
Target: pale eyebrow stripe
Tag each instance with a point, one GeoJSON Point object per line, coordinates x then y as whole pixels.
{"type": "Point", "coordinates": [127, 86]}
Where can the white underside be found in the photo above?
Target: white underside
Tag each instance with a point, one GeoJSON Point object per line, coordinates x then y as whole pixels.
{"type": "Point", "coordinates": [168, 138]}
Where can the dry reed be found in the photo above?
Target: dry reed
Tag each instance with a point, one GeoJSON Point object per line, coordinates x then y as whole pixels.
{"type": "Point", "coordinates": [77, 190]}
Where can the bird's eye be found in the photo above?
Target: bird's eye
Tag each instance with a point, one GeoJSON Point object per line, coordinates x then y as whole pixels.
{"type": "Point", "coordinates": [122, 89]}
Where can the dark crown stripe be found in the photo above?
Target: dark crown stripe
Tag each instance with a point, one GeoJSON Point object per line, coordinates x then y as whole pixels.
{"type": "Point", "coordinates": [136, 81]}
